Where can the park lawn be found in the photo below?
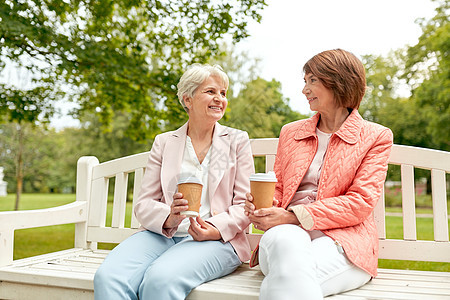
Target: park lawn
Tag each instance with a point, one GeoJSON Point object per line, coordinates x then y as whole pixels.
{"type": "Point", "coordinates": [35, 241]}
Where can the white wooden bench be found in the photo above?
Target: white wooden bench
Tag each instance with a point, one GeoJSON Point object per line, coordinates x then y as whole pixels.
{"type": "Point", "coordinates": [69, 274]}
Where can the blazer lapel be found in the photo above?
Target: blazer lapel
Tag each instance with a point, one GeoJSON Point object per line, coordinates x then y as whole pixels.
{"type": "Point", "coordinates": [220, 154]}
{"type": "Point", "coordinates": [172, 158]}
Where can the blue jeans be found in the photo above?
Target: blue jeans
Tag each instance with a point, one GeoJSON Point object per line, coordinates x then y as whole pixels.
{"type": "Point", "coordinates": [151, 266]}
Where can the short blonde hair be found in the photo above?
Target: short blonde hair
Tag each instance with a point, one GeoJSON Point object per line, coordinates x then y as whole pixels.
{"type": "Point", "coordinates": [195, 75]}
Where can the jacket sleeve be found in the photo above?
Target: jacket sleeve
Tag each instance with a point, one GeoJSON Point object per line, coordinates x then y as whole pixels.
{"type": "Point", "coordinates": [150, 210]}
{"type": "Point", "coordinates": [360, 199]}
{"type": "Point", "coordinates": [233, 220]}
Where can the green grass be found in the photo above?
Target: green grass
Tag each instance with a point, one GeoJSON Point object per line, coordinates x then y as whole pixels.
{"type": "Point", "coordinates": [35, 241]}
{"type": "Point", "coordinates": [35, 201]}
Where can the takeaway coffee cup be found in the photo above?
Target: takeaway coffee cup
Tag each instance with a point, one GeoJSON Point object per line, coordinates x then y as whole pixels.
{"type": "Point", "coordinates": [191, 188]}
{"type": "Point", "coordinates": [262, 188]}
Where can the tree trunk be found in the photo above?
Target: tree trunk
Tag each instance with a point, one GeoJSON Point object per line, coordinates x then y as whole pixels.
{"type": "Point", "coordinates": [19, 167]}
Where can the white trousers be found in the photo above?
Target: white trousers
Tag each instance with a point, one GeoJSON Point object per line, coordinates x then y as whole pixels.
{"type": "Point", "coordinates": [296, 267]}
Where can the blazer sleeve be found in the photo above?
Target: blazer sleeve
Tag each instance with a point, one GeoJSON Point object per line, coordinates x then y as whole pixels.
{"type": "Point", "coordinates": [233, 220]}
{"type": "Point", "coordinates": [151, 210]}
{"type": "Point", "coordinates": [363, 194]}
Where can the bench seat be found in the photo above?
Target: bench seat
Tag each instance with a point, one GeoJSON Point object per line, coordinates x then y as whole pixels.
{"type": "Point", "coordinates": [40, 278]}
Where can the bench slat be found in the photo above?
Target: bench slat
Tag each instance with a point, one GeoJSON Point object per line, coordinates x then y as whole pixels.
{"type": "Point", "coordinates": [387, 294]}
{"type": "Point", "coordinates": [420, 157]}
{"type": "Point", "coordinates": [14, 290]}
{"type": "Point", "coordinates": [408, 203]}
{"type": "Point", "coordinates": [439, 195]}
{"type": "Point", "coordinates": [412, 283]}
{"type": "Point", "coordinates": [138, 175]}
{"type": "Point", "coordinates": [270, 161]}
{"type": "Point", "coordinates": [263, 147]}
{"type": "Point", "coordinates": [380, 217]}
{"type": "Point", "coordinates": [120, 200]}
{"type": "Point", "coordinates": [125, 164]}
{"type": "Point", "coordinates": [108, 234]}
{"type": "Point", "coordinates": [97, 210]}
{"type": "Point", "coordinates": [415, 250]}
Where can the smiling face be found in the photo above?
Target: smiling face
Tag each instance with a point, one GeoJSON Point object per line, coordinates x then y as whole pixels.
{"type": "Point", "coordinates": [209, 101]}
{"type": "Point", "coordinates": [320, 98]}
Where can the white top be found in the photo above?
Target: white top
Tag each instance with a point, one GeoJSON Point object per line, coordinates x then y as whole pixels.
{"type": "Point", "coordinates": [190, 165]}
{"type": "Point", "coordinates": [307, 190]}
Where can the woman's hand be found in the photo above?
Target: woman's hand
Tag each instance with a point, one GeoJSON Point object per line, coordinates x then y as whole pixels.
{"type": "Point", "coordinates": [178, 205]}
{"type": "Point", "coordinates": [249, 208]}
{"type": "Point", "coordinates": [203, 231]}
{"type": "Point", "coordinates": [266, 218]}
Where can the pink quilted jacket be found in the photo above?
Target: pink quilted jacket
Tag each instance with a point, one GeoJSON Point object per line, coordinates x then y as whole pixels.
{"type": "Point", "coordinates": [351, 181]}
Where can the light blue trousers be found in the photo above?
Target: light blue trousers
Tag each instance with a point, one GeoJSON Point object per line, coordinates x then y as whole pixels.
{"type": "Point", "coordinates": [150, 266]}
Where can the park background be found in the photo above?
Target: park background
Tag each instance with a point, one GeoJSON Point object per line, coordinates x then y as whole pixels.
{"type": "Point", "coordinates": [98, 78]}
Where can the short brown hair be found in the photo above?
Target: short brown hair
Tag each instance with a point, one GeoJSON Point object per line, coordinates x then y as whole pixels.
{"type": "Point", "coordinates": [342, 72]}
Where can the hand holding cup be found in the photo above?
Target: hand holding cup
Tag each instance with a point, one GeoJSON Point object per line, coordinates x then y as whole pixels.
{"type": "Point", "coordinates": [178, 205]}
{"type": "Point", "coordinates": [191, 188]}
{"type": "Point", "coordinates": [262, 189]}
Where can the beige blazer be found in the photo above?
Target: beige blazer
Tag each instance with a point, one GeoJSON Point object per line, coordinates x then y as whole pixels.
{"type": "Point", "coordinates": [228, 179]}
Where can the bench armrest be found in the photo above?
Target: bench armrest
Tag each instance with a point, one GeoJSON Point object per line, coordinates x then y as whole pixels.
{"type": "Point", "coordinates": [75, 212]}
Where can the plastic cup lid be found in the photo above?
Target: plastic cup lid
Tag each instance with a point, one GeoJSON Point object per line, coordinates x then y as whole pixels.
{"type": "Point", "coordinates": [189, 178]}
{"type": "Point", "coordinates": [265, 177]}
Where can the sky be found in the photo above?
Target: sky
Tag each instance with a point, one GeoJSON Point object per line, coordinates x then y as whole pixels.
{"type": "Point", "coordinates": [293, 31]}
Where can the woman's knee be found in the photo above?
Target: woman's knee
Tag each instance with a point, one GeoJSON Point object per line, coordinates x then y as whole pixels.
{"type": "Point", "coordinates": [163, 283]}
{"type": "Point", "coordinates": [283, 235]}
{"type": "Point", "coordinates": [103, 275]}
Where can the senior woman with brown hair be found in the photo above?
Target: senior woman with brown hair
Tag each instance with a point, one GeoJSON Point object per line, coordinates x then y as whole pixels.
{"type": "Point", "coordinates": [172, 254]}
{"type": "Point", "coordinates": [320, 237]}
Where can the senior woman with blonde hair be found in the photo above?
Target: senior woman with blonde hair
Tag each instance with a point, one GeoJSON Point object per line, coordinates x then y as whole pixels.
{"type": "Point", "coordinates": [172, 253]}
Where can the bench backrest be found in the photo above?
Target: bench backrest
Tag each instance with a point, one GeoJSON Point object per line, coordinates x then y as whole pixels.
{"type": "Point", "coordinates": [93, 184]}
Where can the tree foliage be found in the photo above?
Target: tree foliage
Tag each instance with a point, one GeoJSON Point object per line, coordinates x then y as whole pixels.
{"type": "Point", "coordinates": [428, 71]}
{"type": "Point", "coordinates": [50, 156]}
{"type": "Point", "coordinates": [260, 109]}
{"type": "Point", "coordinates": [423, 118]}
{"type": "Point", "coordinates": [120, 56]}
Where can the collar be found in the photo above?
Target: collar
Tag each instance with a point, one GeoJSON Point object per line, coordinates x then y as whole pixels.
{"type": "Point", "coordinates": [348, 132]}
{"type": "Point", "coordinates": [219, 130]}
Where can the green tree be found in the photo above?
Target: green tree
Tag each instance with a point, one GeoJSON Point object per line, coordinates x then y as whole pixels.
{"type": "Point", "coordinates": [25, 105]}
{"type": "Point", "coordinates": [381, 76]}
{"type": "Point", "coordinates": [381, 103]}
{"type": "Point", "coordinates": [121, 56]}
{"type": "Point", "coordinates": [90, 139]}
{"type": "Point", "coordinates": [26, 155]}
{"type": "Point", "coordinates": [428, 71]}
{"type": "Point", "coordinates": [260, 109]}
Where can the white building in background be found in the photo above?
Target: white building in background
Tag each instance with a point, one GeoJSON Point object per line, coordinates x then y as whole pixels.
{"type": "Point", "coordinates": [3, 184]}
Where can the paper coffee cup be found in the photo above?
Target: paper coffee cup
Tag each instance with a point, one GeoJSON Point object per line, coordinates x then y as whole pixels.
{"type": "Point", "coordinates": [262, 188]}
{"type": "Point", "coordinates": [191, 188]}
